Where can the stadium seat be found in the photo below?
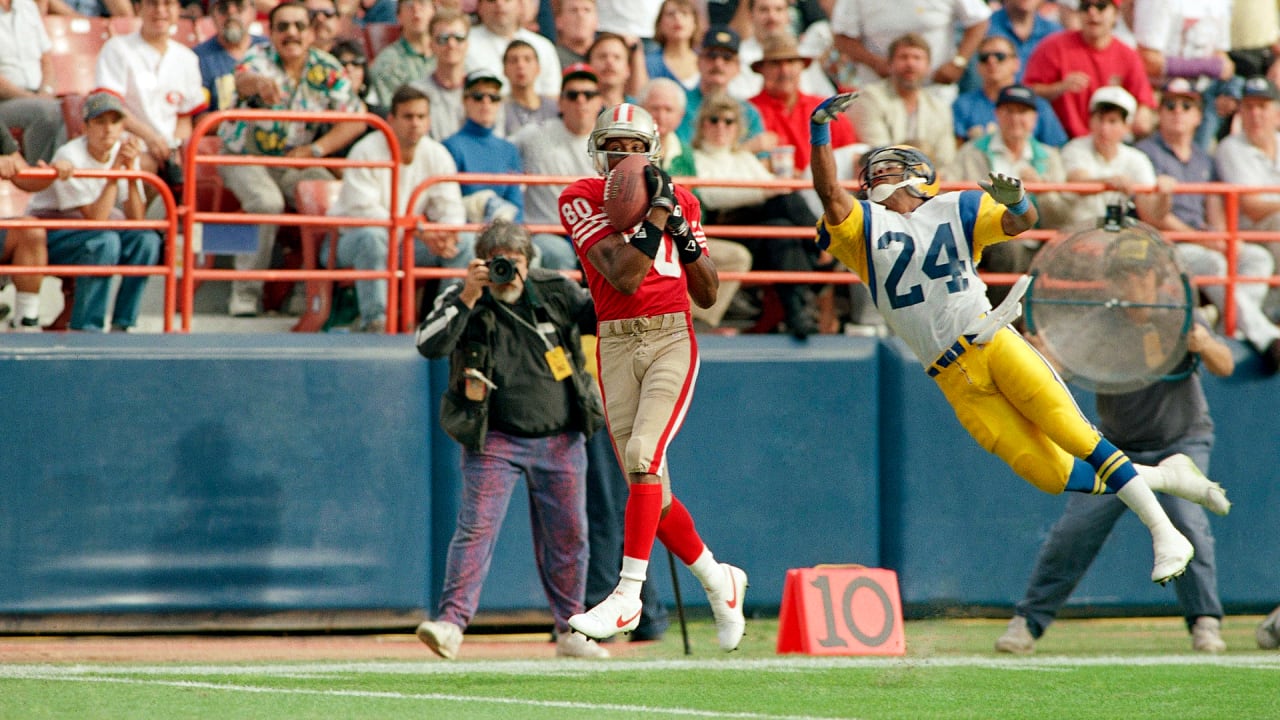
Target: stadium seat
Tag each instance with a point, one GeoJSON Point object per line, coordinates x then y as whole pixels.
{"type": "Point", "coordinates": [69, 34]}
{"type": "Point", "coordinates": [184, 31]}
{"type": "Point", "coordinates": [74, 73]}
{"type": "Point", "coordinates": [123, 24]}
{"type": "Point", "coordinates": [379, 35]}
{"type": "Point", "coordinates": [313, 197]}
{"type": "Point", "coordinates": [73, 114]}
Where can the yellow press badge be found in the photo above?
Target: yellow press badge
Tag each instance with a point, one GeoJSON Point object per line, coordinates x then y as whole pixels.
{"type": "Point", "coordinates": [559, 363]}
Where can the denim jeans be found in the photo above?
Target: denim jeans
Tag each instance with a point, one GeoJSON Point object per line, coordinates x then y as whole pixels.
{"type": "Point", "coordinates": [1078, 535]}
{"type": "Point", "coordinates": [104, 247]}
{"type": "Point", "coordinates": [365, 248]}
{"type": "Point", "coordinates": [554, 470]}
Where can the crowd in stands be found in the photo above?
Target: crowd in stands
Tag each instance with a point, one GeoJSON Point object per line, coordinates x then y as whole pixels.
{"type": "Point", "coordinates": [1103, 90]}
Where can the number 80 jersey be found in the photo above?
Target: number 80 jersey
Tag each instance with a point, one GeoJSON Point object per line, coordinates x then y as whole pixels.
{"type": "Point", "coordinates": [920, 268]}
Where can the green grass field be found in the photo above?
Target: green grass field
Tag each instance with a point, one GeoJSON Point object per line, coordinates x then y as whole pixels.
{"type": "Point", "coordinates": [1134, 668]}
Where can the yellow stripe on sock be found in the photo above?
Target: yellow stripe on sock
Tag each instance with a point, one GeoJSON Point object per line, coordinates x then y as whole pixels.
{"type": "Point", "coordinates": [1110, 466]}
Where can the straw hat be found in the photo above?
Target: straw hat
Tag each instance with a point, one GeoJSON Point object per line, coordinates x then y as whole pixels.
{"type": "Point", "coordinates": [780, 47]}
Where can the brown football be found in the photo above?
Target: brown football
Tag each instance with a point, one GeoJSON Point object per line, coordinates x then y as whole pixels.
{"type": "Point", "coordinates": [626, 195]}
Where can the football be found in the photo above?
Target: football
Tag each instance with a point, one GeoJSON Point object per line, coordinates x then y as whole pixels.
{"type": "Point", "coordinates": [626, 195]}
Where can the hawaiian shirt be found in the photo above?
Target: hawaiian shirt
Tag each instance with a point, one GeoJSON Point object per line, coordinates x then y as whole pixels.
{"type": "Point", "coordinates": [324, 86]}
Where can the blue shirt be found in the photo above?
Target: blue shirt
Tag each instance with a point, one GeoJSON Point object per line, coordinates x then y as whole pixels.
{"type": "Point", "coordinates": [975, 109]}
{"type": "Point", "coordinates": [218, 69]}
{"type": "Point", "coordinates": [476, 149]}
{"type": "Point", "coordinates": [1199, 168]}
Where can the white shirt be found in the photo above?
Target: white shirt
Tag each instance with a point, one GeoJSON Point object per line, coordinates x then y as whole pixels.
{"type": "Point", "coordinates": [25, 40]}
{"type": "Point", "coordinates": [1183, 28]}
{"type": "Point", "coordinates": [1079, 154]}
{"type": "Point", "coordinates": [156, 87]}
{"type": "Point", "coordinates": [628, 17]}
{"type": "Point", "coordinates": [485, 49]}
{"type": "Point", "coordinates": [66, 195]}
{"type": "Point", "coordinates": [548, 148]}
{"type": "Point", "coordinates": [1243, 163]}
{"type": "Point", "coordinates": [724, 164]}
{"type": "Point", "coordinates": [879, 22]}
{"type": "Point", "coordinates": [366, 191]}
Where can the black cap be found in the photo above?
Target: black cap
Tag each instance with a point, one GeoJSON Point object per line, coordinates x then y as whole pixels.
{"type": "Point", "coordinates": [1020, 94]}
{"type": "Point", "coordinates": [721, 36]}
{"type": "Point", "coordinates": [1260, 87]}
{"type": "Point", "coordinates": [479, 76]}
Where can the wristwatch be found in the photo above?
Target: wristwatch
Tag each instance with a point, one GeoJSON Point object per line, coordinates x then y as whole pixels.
{"type": "Point", "coordinates": [317, 151]}
{"type": "Point", "coordinates": [960, 61]}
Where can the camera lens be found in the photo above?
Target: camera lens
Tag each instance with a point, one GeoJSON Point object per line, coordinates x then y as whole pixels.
{"type": "Point", "coordinates": [501, 270]}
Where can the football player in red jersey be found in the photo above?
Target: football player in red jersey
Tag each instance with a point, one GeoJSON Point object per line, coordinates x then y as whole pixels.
{"type": "Point", "coordinates": [641, 279]}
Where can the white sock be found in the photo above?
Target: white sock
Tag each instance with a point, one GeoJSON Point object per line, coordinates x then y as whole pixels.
{"type": "Point", "coordinates": [632, 577]}
{"type": "Point", "coordinates": [27, 304]}
{"type": "Point", "coordinates": [1139, 498]}
{"type": "Point", "coordinates": [707, 570]}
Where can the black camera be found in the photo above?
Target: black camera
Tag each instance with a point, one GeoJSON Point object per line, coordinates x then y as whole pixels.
{"type": "Point", "coordinates": [501, 270]}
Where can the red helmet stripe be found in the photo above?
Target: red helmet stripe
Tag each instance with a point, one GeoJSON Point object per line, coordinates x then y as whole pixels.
{"type": "Point", "coordinates": [623, 113]}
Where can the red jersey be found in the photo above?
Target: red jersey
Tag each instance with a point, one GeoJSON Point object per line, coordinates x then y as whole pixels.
{"type": "Point", "coordinates": [663, 289]}
{"type": "Point", "coordinates": [1066, 52]}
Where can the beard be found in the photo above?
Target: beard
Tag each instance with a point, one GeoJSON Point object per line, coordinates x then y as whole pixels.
{"type": "Point", "coordinates": [509, 293]}
{"type": "Point", "coordinates": [233, 32]}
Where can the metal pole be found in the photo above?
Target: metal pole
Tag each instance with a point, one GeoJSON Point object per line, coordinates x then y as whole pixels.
{"type": "Point", "coordinates": [675, 586]}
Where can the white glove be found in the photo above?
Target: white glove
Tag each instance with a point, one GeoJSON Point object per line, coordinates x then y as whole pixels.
{"type": "Point", "coordinates": [1004, 189]}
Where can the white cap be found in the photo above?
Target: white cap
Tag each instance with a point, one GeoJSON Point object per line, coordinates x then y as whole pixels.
{"type": "Point", "coordinates": [1113, 95]}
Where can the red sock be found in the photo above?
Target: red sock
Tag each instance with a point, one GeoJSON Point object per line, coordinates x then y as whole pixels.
{"type": "Point", "coordinates": [644, 508]}
{"type": "Point", "coordinates": [677, 532]}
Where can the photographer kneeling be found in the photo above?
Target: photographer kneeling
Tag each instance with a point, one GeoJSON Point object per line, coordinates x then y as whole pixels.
{"type": "Point", "coordinates": [521, 404]}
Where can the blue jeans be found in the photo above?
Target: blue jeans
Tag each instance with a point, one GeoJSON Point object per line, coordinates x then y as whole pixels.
{"type": "Point", "coordinates": [104, 247]}
{"type": "Point", "coordinates": [1078, 535]}
{"type": "Point", "coordinates": [554, 469]}
{"type": "Point", "coordinates": [555, 252]}
{"type": "Point", "coordinates": [365, 248]}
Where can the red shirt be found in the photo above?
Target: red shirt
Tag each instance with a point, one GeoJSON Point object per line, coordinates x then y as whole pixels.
{"type": "Point", "coordinates": [792, 127]}
{"type": "Point", "coordinates": [1067, 52]}
{"type": "Point", "coordinates": [663, 289]}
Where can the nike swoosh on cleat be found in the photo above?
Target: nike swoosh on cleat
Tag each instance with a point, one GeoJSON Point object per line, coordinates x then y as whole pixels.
{"type": "Point", "coordinates": [624, 623]}
{"type": "Point", "coordinates": [733, 602]}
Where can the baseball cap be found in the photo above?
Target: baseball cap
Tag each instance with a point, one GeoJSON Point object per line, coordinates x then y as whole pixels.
{"type": "Point", "coordinates": [1260, 87]}
{"type": "Point", "coordinates": [1180, 86]}
{"type": "Point", "coordinates": [478, 76]}
{"type": "Point", "coordinates": [721, 37]}
{"type": "Point", "coordinates": [578, 70]}
{"type": "Point", "coordinates": [102, 101]}
{"type": "Point", "coordinates": [1019, 94]}
{"type": "Point", "coordinates": [1115, 96]}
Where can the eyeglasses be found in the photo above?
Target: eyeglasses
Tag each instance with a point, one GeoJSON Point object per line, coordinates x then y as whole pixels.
{"type": "Point", "coordinates": [444, 38]}
{"type": "Point", "coordinates": [482, 96]}
{"type": "Point", "coordinates": [321, 13]}
{"type": "Point", "coordinates": [1100, 6]}
{"type": "Point", "coordinates": [575, 95]}
{"type": "Point", "coordinates": [284, 26]}
{"type": "Point", "coordinates": [726, 120]}
{"type": "Point", "coordinates": [1175, 104]}
{"type": "Point", "coordinates": [997, 56]}
{"type": "Point", "coordinates": [358, 61]}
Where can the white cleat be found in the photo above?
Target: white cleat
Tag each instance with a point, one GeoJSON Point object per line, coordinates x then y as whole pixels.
{"type": "Point", "coordinates": [615, 614]}
{"type": "Point", "coordinates": [444, 638]}
{"type": "Point", "coordinates": [1191, 484]}
{"type": "Point", "coordinates": [1173, 554]}
{"type": "Point", "coordinates": [573, 645]}
{"type": "Point", "coordinates": [726, 606]}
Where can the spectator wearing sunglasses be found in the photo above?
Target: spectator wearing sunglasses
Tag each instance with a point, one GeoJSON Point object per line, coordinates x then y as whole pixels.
{"type": "Point", "coordinates": [350, 55]}
{"type": "Point", "coordinates": [974, 112]}
{"type": "Point", "coordinates": [287, 74]}
{"type": "Point", "coordinates": [554, 147]}
{"type": "Point", "coordinates": [478, 148]}
{"type": "Point", "coordinates": [411, 57]}
{"type": "Point", "coordinates": [499, 25]}
{"type": "Point", "coordinates": [324, 23]}
{"type": "Point", "coordinates": [1068, 67]}
{"type": "Point", "coordinates": [719, 66]}
{"type": "Point", "coordinates": [449, 31]}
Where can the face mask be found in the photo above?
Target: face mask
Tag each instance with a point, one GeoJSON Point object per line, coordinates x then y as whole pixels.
{"type": "Point", "coordinates": [881, 192]}
{"type": "Point", "coordinates": [233, 32]}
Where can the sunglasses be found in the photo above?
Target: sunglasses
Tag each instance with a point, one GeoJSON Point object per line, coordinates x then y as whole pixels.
{"type": "Point", "coordinates": [1099, 6]}
{"type": "Point", "coordinates": [1175, 104]}
{"type": "Point", "coordinates": [997, 56]}
{"type": "Point", "coordinates": [726, 120]}
{"type": "Point", "coordinates": [482, 96]}
{"type": "Point", "coordinates": [444, 38]}
{"type": "Point", "coordinates": [359, 61]}
{"type": "Point", "coordinates": [284, 26]}
{"type": "Point", "coordinates": [315, 14]}
{"type": "Point", "coordinates": [575, 95]}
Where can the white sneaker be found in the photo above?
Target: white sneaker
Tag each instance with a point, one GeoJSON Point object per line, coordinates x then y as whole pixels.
{"type": "Point", "coordinates": [1191, 484]}
{"type": "Point", "coordinates": [1268, 632]}
{"type": "Point", "coordinates": [444, 638]}
{"type": "Point", "coordinates": [1017, 639]}
{"type": "Point", "coordinates": [243, 302]}
{"type": "Point", "coordinates": [615, 614]}
{"type": "Point", "coordinates": [573, 645]}
{"type": "Point", "coordinates": [1173, 553]}
{"type": "Point", "coordinates": [25, 325]}
{"type": "Point", "coordinates": [1206, 635]}
{"type": "Point", "coordinates": [726, 606]}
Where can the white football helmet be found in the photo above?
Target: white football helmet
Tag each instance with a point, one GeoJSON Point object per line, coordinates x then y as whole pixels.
{"type": "Point", "coordinates": [626, 121]}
